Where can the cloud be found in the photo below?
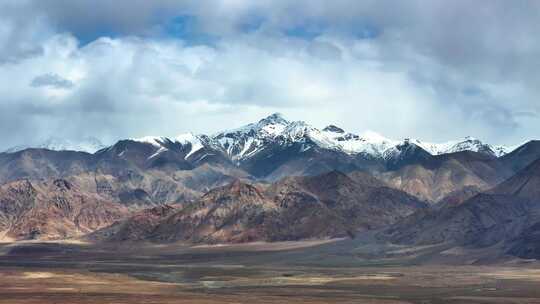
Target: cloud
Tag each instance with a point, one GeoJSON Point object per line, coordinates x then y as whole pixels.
{"type": "Point", "coordinates": [21, 33]}
{"type": "Point", "coordinates": [51, 80]}
{"type": "Point", "coordinates": [405, 69]}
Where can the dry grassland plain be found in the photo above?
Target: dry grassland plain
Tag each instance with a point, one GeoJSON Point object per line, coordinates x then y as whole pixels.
{"type": "Point", "coordinates": [308, 272]}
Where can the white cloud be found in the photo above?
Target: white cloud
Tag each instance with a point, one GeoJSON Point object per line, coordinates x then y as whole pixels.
{"type": "Point", "coordinates": [400, 83]}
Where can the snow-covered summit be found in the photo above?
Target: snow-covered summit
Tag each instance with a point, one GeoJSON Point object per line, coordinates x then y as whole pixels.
{"type": "Point", "coordinates": [467, 144]}
{"type": "Point", "coordinates": [269, 126]}
{"type": "Point", "coordinates": [246, 141]}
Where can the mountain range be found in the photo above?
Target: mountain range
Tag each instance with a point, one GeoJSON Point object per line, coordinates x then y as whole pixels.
{"type": "Point", "coordinates": [275, 180]}
{"type": "Point", "coordinates": [274, 148]}
{"type": "Point", "coordinates": [291, 209]}
{"type": "Point", "coordinates": [246, 142]}
{"type": "Point", "coordinates": [507, 215]}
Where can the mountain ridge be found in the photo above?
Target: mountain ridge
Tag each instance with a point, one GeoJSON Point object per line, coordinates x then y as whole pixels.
{"type": "Point", "coordinates": [156, 169]}
{"type": "Point", "coordinates": [508, 214]}
{"type": "Point", "coordinates": [289, 209]}
{"type": "Point", "coordinates": [245, 141]}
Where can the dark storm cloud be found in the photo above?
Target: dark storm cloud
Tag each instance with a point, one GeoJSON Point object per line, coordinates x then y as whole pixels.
{"type": "Point", "coordinates": [444, 68]}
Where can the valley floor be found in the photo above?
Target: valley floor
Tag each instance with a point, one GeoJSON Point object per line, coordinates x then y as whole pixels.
{"type": "Point", "coordinates": [340, 271]}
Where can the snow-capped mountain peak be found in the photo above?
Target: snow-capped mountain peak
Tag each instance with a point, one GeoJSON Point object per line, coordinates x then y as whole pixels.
{"type": "Point", "coordinates": [467, 144]}
{"type": "Point", "coordinates": [246, 141]}
{"type": "Point", "coordinates": [272, 125]}
{"type": "Point", "coordinates": [274, 119]}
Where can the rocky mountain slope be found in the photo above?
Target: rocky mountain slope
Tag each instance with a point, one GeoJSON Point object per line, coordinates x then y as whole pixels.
{"type": "Point", "coordinates": [54, 209]}
{"type": "Point", "coordinates": [507, 214]}
{"type": "Point", "coordinates": [522, 156]}
{"type": "Point", "coordinates": [294, 208]}
{"type": "Point", "coordinates": [527, 244]}
{"type": "Point", "coordinates": [137, 227]}
{"type": "Point", "coordinates": [434, 178]}
{"type": "Point", "coordinates": [125, 172]}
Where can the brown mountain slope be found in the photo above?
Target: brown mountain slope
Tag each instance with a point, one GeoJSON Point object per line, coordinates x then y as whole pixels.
{"type": "Point", "coordinates": [137, 227]}
{"type": "Point", "coordinates": [367, 179]}
{"type": "Point", "coordinates": [233, 213]}
{"type": "Point", "coordinates": [141, 175]}
{"type": "Point", "coordinates": [359, 201]}
{"type": "Point", "coordinates": [143, 189]}
{"type": "Point", "coordinates": [527, 244]}
{"type": "Point", "coordinates": [52, 210]}
{"type": "Point", "coordinates": [433, 179]}
{"type": "Point", "coordinates": [328, 205]}
{"type": "Point", "coordinates": [505, 215]}
{"type": "Point", "coordinates": [41, 164]}
{"type": "Point", "coordinates": [524, 184]}
{"type": "Point", "coordinates": [129, 172]}
{"type": "Point", "coordinates": [458, 197]}
{"type": "Point", "coordinates": [481, 221]}
{"type": "Point", "coordinates": [523, 156]}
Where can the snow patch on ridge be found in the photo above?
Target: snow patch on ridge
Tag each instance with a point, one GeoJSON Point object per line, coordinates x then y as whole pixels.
{"type": "Point", "coordinates": [191, 139]}
{"type": "Point", "coordinates": [163, 143]}
{"type": "Point", "coordinates": [153, 140]}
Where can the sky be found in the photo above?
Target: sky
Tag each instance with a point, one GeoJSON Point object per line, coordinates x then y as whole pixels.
{"type": "Point", "coordinates": [435, 70]}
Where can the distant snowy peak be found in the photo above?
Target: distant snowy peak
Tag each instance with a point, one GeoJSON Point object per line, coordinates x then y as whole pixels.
{"type": "Point", "coordinates": [471, 144]}
{"type": "Point", "coordinates": [378, 145]}
{"type": "Point", "coordinates": [503, 150]}
{"type": "Point", "coordinates": [274, 119]}
{"type": "Point", "coordinates": [88, 144]}
{"type": "Point", "coordinates": [467, 144]}
{"type": "Point", "coordinates": [369, 143]}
